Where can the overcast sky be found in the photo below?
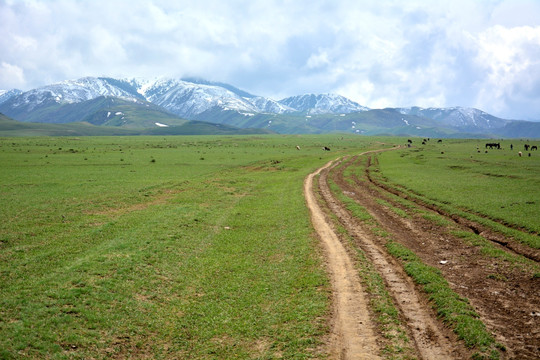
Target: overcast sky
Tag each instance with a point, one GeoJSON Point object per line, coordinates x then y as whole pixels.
{"type": "Point", "coordinates": [483, 54]}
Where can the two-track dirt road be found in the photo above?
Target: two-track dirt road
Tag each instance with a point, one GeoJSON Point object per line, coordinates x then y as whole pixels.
{"type": "Point", "coordinates": [355, 335]}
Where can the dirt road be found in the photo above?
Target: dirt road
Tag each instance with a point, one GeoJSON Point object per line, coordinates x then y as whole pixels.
{"type": "Point", "coordinates": [353, 334]}
{"type": "Point", "coordinates": [505, 295]}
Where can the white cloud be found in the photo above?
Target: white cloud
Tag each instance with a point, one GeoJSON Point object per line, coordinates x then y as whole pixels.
{"type": "Point", "coordinates": [318, 60]}
{"type": "Point", "coordinates": [378, 52]}
{"type": "Point", "coordinates": [511, 58]}
{"type": "Point", "coordinates": [11, 76]}
{"type": "Point", "coordinates": [106, 47]}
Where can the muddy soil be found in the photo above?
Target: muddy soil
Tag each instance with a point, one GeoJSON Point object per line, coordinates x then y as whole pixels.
{"type": "Point", "coordinates": [432, 340]}
{"type": "Point", "coordinates": [504, 294]}
{"type": "Point", "coordinates": [353, 333]}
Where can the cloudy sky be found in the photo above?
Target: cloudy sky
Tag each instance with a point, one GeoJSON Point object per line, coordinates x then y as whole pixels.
{"type": "Point", "coordinates": [483, 54]}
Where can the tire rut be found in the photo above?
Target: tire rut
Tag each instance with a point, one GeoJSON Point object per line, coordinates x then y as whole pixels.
{"type": "Point", "coordinates": [488, 234]}
{"type": "Point", "coordinates": [504, 295]}
{"type": "Point", "coordinates": [431, 340]}
{"type": "Point", "coordinates": [353, 335]}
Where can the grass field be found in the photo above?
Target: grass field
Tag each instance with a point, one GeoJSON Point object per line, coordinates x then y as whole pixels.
{"type": "Point", "coordinates": [160, 247]}
{"type": "Point", "coordinates": [496, 184]}
{"type": "Point", "coordinates": [200, 246]}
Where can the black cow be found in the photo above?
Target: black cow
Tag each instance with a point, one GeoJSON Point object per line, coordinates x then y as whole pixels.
{"type": "Point", "coordinates": [534, 147]}
{"type": "Point", "coordinates": [326, 148]}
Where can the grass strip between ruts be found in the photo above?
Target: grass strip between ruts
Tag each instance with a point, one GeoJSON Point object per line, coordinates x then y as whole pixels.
{"type": "Point", "coordinates": [453, 308]}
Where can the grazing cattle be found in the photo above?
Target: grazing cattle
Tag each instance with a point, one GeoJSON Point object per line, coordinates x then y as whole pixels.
{"type": "Point", "coordinates": [297, 147]}
{"type": "Point", "coordinates": [526, 146]}
{"type": "Point", "coordinates": [520, 154]}
{"type": "Point", "coordinates": [409, 141]}
{"type": "Point", "coordinates": [511, 147]}
{"type": "Point", "coordinates": [493, 145]}
{"type": "Point", "coordinates": [534, 147]}
{"type": "Point", "coordinates": [439, 141]}
{"type": "Point", "coordinates": [423, 143]}
{"type": "Point", "coordinates": [326, 148]}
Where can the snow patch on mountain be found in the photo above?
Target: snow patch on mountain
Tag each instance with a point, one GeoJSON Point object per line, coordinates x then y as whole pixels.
{"type": "Point", "coordinates": [188, 99]}
{"type": "Point", "coordinates": [458, 117]}
{"type": "Point", "coordinates": [74, 91]}
{"type": "Point", "coordinates": [266, 105]}
{"type": "Point", "coordinates": [322, 104]}
{"type": "Point", "coordinates": [5, 95]}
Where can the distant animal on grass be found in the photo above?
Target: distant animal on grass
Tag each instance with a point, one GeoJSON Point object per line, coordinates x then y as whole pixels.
{"type": "Point", "coordinates": [520, 154]}
{"type": "Point", "coordinates": [326, 148]}
{"type": "Point", "coordinates": [534, 147]}
{"type": "Point", "coordinates": [526, 146]}
{"type": "Point", "coordinates": [409, 141]}
{"type": "Point", "coordinates": [439, 141]}
{"type": "Point", "coordinates": [297, 147]}
{"type": "Point", "coordinates": [493, 145]}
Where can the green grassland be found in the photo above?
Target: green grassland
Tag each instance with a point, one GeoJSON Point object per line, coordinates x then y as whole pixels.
{"type": "Point", "coordinates": [162, 247]}
{"type": "Point", "coordinates": [13, 128]}
{"type": "Point", "coordinates": [461, 175]}
{"type": "Point", "coordinates": [199, 246]}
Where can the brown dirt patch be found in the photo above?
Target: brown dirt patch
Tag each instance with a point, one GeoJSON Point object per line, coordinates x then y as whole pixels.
{"type": "Point", "coordinates": [432, 340]}
{"type": "Point", "coordinates": [504, 293]}
{"type": "Point", "coordinates": [353, 334]}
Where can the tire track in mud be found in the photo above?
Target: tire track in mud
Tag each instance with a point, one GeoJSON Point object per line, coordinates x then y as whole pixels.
{"type": "Point", "coordinates": [482, 230]}
{"type": "Point", "coordinates": [431, 339]}
{"type": "Point", "coordinates": [353, 335]}
{"type": "Point", "coordinates": [505, 295]}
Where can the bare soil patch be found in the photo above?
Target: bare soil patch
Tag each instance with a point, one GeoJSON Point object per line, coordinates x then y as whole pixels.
{"type": "Point", "coordinates": [432, 340]}
{"type": "Point", "coordinates": [353, 335]}
{"type": "Point", "coordinates": [505, 294]}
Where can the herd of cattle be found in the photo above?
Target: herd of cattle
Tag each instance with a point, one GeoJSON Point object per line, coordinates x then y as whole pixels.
{"type": "Point", "coordinates": [491, 145]}
{"type": "Point", "coordinates": [527, 147]}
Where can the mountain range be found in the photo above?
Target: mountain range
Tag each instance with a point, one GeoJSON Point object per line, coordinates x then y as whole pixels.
{"type": "Point", "coordinates": [167, 104]}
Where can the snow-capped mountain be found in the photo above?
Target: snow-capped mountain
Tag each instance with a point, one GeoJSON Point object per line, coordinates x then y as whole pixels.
{"type": "Point", "coordinates": [266, 105]}
{"type": "Point", "coordinates": [188, 99]}
{"type": "Point", "coordinates": [5, 95]}
{"type": "Point", "coordinates": [69, 92]}
{"type": "Point", "coordinates": [458, 117]}
{"type": "Point", "coordinates": [185, 98]}
{"type": "Point", "coordinates": [141, 102]}
{"type": "Point", "coordinates": [322, 104]}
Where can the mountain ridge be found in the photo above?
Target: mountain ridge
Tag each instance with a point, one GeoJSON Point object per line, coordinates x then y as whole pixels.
{"type": "Point", "coordinates": [176, 100]}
